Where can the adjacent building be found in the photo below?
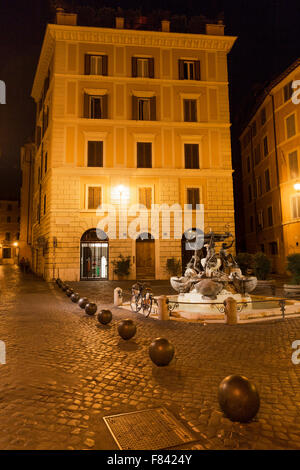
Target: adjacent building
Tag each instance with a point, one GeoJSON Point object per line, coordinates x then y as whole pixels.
{"type": "Point", "coordinates": [270, 152]}
{"type": "Point", "coordinates": [9, 231]}
{"type": "Point", "coordinates": [125, 117]}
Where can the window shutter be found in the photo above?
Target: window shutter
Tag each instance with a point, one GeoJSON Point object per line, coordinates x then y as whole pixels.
{"type": "Point", "coordinates": [181, 69]}
{"type": "Point", "coordinates": [186, 110]}
{"type": "Point", "coordinates": [194, 110]}
{"type": "Point", "coordinates": [153, 108]}
{"type": "Point", "coordinates": [87, 64]}
{"type": "Point", "coordinates": [105, 106]}
{"type": "Point", "coordinates": [105, 65]}
{"type": "Point", "coordinates": [134, 108]}
{"type": "Point", "coordinates": [97, 197]}
{"type": "Point", "coordinates": [148, 155]}
{"type": "Point", "coordinates": [151, 67]}
{"type": "Point", "coordinates": [197, 70]}
{"type": "Point", "coordinates": [86, 106]}
{"type": "Point", "coordinates": [90, 198]}
{"type": "Point", "coordinates": [134, 66]}
{"type": "Point", "coordinates": [148, 198]}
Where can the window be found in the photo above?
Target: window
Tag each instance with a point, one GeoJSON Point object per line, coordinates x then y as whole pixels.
{"type": "Point", "coordinates": [193, 197]}
{"type": "Point", "coordinates": [191, 156]}
{"type": "Point", "coordinates": [46, 162]}
{"type": "Point", "coordinates": [96, 64]}
{"type": "Point", "coordinates": [267, 180]}
{"type": "Point", "coordinates": [190, 110]}
{"type": "Point", "coordinates": [7, 236]}
{"type": "Point", "coordinates": [287, 91]}
{"type": "Point", "coordinates": [142, 67]}
{"type": "Point", "coordinates": [248, 164]}
{"type": "Point", "coordinates": [8, 219]}
{"type": "Point", "coordinates": [94, 197]}
{"type": "Point", "coordinates": [6, 253]}
{"type": "Point", "coordinates": [257, 154]}
{"type": "Point", "coordinates": [45, 204]}
{"type": "Point", "coordinates": [18, 236]}
{"type": "Point", "coordinates": [249, 193]}
{"type": "Point", "coordinates": [144, 155]}
{"type": "Point", "coordinates": [96, 106]}
{"type": "Point", "coordinates": [9, 207]}
{"type": "Point", "coordinates": [259, 186]}
{"type": "Point", "coordinates": [144, 109]}
{"type": "Point", "coordinates": [95, 153]}
{"type": "Point", "coordinates": [296, 207]}
{"type": "Point", "coordinates": [263, 116]}
{"type": "Point", "coordinates": [266, 149]}
{"type": "Point", "coordinates": [270, 216]}
{"type": "Point", "coordinates": [254, 129]}
{"type": "Point", "coordinates": [273, 248]}
{"type": "Point", "coordinates": [189, 69]}
{"type": "Point", "coordinates": [293, 164]}
{"type": "Point", "coordinates": [145, 197]}
{"type": "Point", "coordinates": [290, 126]}
{"type": "Point", "coordinates": [260, 219]}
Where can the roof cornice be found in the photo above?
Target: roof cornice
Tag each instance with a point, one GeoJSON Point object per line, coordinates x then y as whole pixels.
{"type": "Point", "coordinates": [123, 37]}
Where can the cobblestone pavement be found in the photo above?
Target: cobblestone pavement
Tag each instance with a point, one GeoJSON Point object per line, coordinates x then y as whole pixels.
{"type": "Point", "coordinates": [65, 371]}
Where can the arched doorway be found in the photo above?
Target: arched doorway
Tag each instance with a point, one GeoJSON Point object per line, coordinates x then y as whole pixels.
{"type": "Point", "coordinates": [188, 242]}
{"type": "Point", "coordinates": [93, 255]}
{"type": "Point", "coordinates": [145, 256]}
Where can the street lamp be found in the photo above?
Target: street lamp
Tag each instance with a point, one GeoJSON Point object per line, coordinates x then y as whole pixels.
{"type": "Point", "coordinates": [297, 186]}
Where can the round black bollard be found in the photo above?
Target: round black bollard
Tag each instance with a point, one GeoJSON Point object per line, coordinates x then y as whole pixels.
{"type": "Point", "coordinates": [65, 287]}
{"type": "Point", "coordinates": [58, 281]}
{"type": "Point", "coordinates": [126, 329]}
{"type": "Point", "coordinates": [75, 297]}
{"type": "Point", "coordinates": [91, 308]}
{"type": "Point", "coordinates": [104, 317]}
{"type": "Point", "coordinates": [69, 292]}
{"type": "Point", "coordinates": [82, 302]}
{"type": "Point", "coordinates": [238, 398]}
{"type": "Point", "coordinates": [161, 351]}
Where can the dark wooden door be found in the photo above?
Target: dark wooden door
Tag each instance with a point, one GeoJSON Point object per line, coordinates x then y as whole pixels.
{"type": "Point", "coordinates": [145, 259]}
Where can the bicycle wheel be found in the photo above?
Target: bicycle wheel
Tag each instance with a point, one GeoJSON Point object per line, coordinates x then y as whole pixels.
{"type": "Point", "coordinates": [147, 304]}
{"type": "Point", "coordinates": [136, 303]}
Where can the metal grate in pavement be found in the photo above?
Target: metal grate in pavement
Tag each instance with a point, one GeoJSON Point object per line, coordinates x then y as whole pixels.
{"type": "Point", "coordinates": [147, 430]}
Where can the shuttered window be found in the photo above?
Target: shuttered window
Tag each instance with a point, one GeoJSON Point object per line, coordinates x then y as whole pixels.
{"type": "Point", "coordinates": [95, 153]}
{"type": "Point", "coordinates": [142, 67]}
{"type": "Point", "coordinates": [96, 106]}
{"type": "Point", "coordinates": [293, 164]}
{"type": "Point", "coordinates": [193, 197]}
{"type": "Point", "coordinates": [144, 155]}
{"type": "Point", "coordinates": [144, 109]}
{"type": "Point", "coordinates": [145, 197]}
{"type": "Point", "coordinates": [96, 64]}
{"type": "Point", "coordinates": [287, 91]}
{"type": "Point", "coordinates": [257, 154]}
{"type": "Point", "coordinates": [266, 147]}
{"type": "Point", "coordinates": [190, 110]}
{"type": "Point", "coordinates": [267, 180]}
{"type": "Point", "coordinates": [191, 156]}
{"type": "Point", "coordinates": [290, 126]}
{"type": "Point", "coordinates": [270, 216]}
{"type": "Point", "coordinates": [296, 207]}
{"type": "Point", "coordinates": [189, 69]}
{"type": "Point", "coordinates": [263, 116]}
{"type": "Point", "coordinates": [94, 197]}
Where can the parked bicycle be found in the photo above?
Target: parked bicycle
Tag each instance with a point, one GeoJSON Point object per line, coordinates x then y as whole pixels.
{"type": "Point", "coordinates": [141, 299]}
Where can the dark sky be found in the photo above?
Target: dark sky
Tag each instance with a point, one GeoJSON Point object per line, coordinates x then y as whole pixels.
{"type": "Point", "coordinates": [268, 32]}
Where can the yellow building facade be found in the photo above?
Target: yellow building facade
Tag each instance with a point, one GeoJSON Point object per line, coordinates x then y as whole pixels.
{"type": "Point", "coordinates": [126, 117]}
{"type": "Point", "coordinates": [270, 150]}
{"type": "Point", "coordinates": [9, 231]}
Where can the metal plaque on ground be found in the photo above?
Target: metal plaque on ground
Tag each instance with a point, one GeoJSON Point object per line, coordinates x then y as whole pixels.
{"type": "Point", "coordinates": [147, 430]}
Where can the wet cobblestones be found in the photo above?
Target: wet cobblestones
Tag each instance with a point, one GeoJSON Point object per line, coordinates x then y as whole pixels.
{"type": "Point", "coordinates": [65, 371]}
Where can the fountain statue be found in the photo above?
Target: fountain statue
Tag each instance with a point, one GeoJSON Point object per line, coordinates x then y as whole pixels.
{"type": "Point", "coordinates": [211, 277]}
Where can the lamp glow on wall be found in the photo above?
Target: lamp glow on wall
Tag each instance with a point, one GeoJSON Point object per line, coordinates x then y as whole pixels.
{"type": "Point", "coordinates": [120, 194]}
{"type": "Point", "coordinates": [297, 186]}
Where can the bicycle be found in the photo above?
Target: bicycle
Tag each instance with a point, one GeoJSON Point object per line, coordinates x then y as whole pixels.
{"type": "Point", "coordinates": [141, 299]}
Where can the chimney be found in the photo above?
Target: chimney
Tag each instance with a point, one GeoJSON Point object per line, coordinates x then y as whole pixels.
{"type": "Point", "coordinates": [68, 19]}
{"type": "Point", "coordinates": [215, 29]}
{"type": "Point", "coordinates": [119, 22]}
{"type": "Point", "coordinates": [165, 26]}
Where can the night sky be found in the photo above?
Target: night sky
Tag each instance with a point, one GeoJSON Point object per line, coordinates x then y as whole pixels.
{"type": "Point", "coordinates": [268, 42]}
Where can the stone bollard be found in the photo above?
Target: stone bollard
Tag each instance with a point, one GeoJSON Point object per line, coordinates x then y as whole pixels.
{"type": "Point", "coordinates": [230, 311]}
{"type": "Point", "coordinates": [118, 297]}
{"type": "Point", "coordinates": [163, 311]}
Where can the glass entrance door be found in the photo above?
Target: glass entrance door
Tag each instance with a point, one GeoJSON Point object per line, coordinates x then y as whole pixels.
{"type": "Point", "coordinates": [94, 260]}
